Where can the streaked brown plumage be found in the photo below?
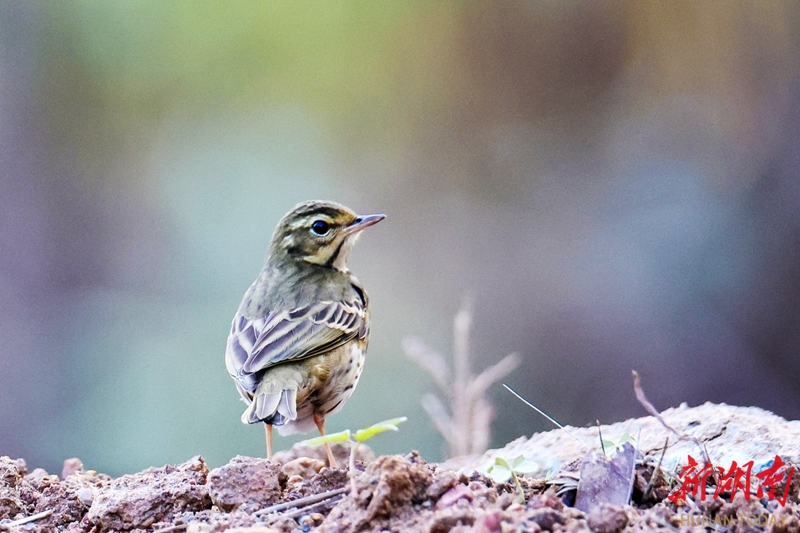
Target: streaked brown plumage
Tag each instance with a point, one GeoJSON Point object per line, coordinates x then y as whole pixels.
{"type": "Point", "coordinates": [297, 343]}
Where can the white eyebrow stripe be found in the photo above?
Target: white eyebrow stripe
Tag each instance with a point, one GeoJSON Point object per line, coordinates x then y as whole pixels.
{"type": "Point", "coordinates": [307, 221]}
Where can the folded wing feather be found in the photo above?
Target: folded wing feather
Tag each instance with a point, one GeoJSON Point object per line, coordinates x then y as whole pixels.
{"type": "Point", "coordinates": [257, 344]}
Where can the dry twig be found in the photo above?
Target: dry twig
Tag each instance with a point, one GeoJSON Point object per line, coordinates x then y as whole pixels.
{"type": "Point", "coordinates": [466, 425]}
{"type": "Point", "coordinates": [300, 502]}
{"type": "Point", "coordinates": [170, 529]}
{"type": "Point", "coordinates": [656, 472]}
{"type": "Point", "coordinates": [302, 511]}
{"type": "Point", "coordinates": [637, 387]}
{"type": "Point", "coordinates": [8, 526]}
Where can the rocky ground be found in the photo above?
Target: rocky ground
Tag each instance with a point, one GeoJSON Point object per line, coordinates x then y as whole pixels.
{"type": "Point", "coordinates": [297, 493]}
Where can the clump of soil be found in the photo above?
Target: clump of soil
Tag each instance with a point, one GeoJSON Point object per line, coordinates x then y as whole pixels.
{"type": "Point", "coordinates": [390, 494]}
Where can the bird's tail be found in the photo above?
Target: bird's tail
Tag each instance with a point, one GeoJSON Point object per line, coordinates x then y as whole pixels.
{"type": "Point", "coordinates": [275, 409]}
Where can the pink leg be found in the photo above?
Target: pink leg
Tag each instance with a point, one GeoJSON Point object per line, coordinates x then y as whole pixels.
{"type": "Point", "coordinates": [320, 422]}
{"type": "Point", "coordinates": [268, 428]}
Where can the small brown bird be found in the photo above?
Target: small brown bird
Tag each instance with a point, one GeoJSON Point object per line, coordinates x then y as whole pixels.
{"type": "Point", "coordinates": [297, 343]}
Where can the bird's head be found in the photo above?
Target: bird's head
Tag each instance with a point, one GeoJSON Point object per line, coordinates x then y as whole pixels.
{"type": "Point", "coordinates": [318, 232]}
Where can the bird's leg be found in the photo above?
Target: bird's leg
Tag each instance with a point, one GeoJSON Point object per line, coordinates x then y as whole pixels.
{"type": "Point", "coordinates": [320, 422]}
{"type": "Point", "coordinates": [268, 428]}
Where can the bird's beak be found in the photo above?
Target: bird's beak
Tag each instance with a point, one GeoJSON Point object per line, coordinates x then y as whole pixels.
{"type": "Point", "coordinates": [363, 221]}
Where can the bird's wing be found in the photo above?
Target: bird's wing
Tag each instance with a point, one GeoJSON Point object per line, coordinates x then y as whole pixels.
{"type": "Point", "coordinates": [257, 344]}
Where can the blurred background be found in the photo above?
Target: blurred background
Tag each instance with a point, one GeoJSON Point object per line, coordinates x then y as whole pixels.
{"type": "Point", "coordinates": [614, 184]}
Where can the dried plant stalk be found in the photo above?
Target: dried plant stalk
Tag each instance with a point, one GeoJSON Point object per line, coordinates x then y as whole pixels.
{"type": "Point", "coordinates": [466, 427]}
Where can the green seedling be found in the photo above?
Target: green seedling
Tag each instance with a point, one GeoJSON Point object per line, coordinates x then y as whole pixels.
{"type": "Point", "coordinates": [608, 444]}
{"type": "Point", "coordinates": [356, 438]}
{"type": "Point", "coordinates": [501, 472]}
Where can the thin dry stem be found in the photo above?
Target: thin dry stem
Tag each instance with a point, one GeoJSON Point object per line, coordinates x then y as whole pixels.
{"type": "Point", "coordinates": [27, 519]}
{"type": "Point", "coordinates": [637, 387]}
{"type": "Point", "coordinates": [431, 361]}
{"type": "Point", "coordinates": [493, 374]}
{"type": "Point", "coordinates": [600, 434]}
{"type": "Point", "coordinates": [441, 419]}
{"type": "Point", "coordinates": [351, 471]}
{"type": "Point", "coordinates": [170, 529]}
{"type": "Point", "coordinates": [466, 426]}
{"type": "Point", "coordinates": [550, 418]}
{"type": "Point", "coordinates": [656, 472]}
{"type": "Point", "coordinates": [303, 511]}
{"type": "Point", "coordinates": [462, 400]}
{"type": "Point", "coordinates": [300, 502]}
{"type": "Point", "coordinates": [482, 415]}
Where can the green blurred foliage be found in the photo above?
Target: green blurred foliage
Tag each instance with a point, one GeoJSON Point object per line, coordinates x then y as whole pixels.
{"type": "Point", "coordinates": [342, 61]}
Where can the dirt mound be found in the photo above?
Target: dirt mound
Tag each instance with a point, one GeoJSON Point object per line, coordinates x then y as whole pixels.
{"type": "Point", "coordinates": [391, 493]}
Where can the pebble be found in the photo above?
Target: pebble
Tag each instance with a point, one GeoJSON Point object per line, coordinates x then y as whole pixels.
{"type": "Point", "coordinates": [71, 466]}
{"type": "Point", "coordinates": [85, 495]}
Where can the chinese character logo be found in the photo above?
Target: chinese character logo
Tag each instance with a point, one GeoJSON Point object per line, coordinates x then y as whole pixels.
{"type": "Point", "coordinates": [695, 479]}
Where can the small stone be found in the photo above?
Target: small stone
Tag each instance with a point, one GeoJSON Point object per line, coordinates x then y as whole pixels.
{"type": "Point", "coordinates": [442, 482]}
{"type": "Point", "coordinates": [245, 481]}
{"type": "Point", "coordinates": [305, 467]}
{"type": "Point", "coordinates": [547, 518]}
{"type": "Point", "coordinates": [505, 500]}
{"type": "Point", "coordinates": [36, 475]}
{"type": "Point", "coordinates": [11, 471]}
{"type": "Point", "coordinates": [573, 513]}
{"type": "Point", "coordinates": [85, 495]}
{"type": "Point", "coordinates": [71, 466]}
{"type": "Point", "coordinates": [548, 499]}
{"type": "Point", "coordinates": [489, 522]}
{"type": "Point", "coordinates": [446, 520]}
{"type": "Point", "coordinates": [607, 518]}
{"type": "Point", "coordinates": [454, 495]}
{"type": "Point", "coordinates": [294, 483]}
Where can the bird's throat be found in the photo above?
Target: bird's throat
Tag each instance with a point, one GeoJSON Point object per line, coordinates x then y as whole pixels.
{"type": "Point", "coordinates": [338, 260]}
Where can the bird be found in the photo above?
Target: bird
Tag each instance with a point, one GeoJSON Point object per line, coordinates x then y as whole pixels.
{"type": "Point", "coordinates": [298, 340]}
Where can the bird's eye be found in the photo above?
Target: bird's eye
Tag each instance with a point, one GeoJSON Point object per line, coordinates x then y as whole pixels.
{"type": "Point", "coordinates": [320, 227]}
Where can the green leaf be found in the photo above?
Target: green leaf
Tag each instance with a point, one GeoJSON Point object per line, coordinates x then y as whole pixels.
{"type": "Point", "coordinates": [609, 444]}
{"type": "Point", "coordinates": [499, 461]}
{"type": "Point", "coordinates": [626, 437]}
{"type": "Point", "coordinates": [499, 473]}
{"type": "Point", "coordinates": [393, 421]}
{"type": "Point", "coordinates": [341, 436]}
{"type": "Point", "coordinates": [526, 466]}
{"type": "Point", "coordinates": [387, 425]}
